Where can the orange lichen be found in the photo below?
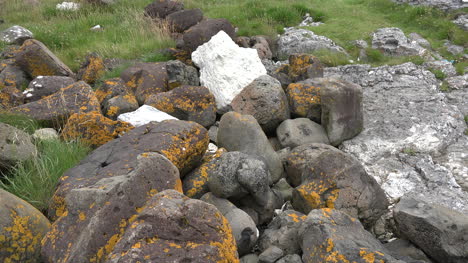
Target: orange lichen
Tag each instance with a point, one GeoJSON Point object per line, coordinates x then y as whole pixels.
{"type": "Point", "coordinates": [94, 70]}
{"type": "Point", "coordinates": [199, 178]}
{"type": "Point", "coordinates": [319, 194]}
{"type": "Point", "coordinates": [302, 97]}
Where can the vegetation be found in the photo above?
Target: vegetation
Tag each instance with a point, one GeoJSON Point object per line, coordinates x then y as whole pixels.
{"type": "Point", "coordinates": [439, 74]}
{"type": "Point", "coordinates": [20, 121]}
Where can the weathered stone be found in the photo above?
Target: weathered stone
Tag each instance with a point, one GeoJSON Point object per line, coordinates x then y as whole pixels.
{"type": "Point", "coordinates": [329, 235]}
{"type": "Point", "coordinates": [144, 115]}
{"type": "Point", "coordinates": [190, 103]}
{"type": "Point", "coordinates": [93, 129]}
{"type": "Point", "coordinates": [163, 8]}
{"type": "Point", "coordinates": [10, 97]}
{"type": "Point", "coordinates": [45, 134]}
{"type": "Point", "coordinates": [265, 100]}
{"type": "Point", "coordinates": [15, 35]}
{"type": "Point", "coordinates": [454, 49]}
{"type": "Point", "coordinates": [393, 42]}
{"type": "Point", "coordinates": [15, 146]}
{"type": "Point", "coordinates": [181, 74]}
{"type": "Point", "coordinates": [12, 76]}
{"type": "Point", "coordinates": [184, 19]}
{"type": "Point", "coordinates": [295, 258]}
{"type": "Point", "coordinates": [111, 88]}
{"type": "Point", "coordinates": [36, 59]}
{"type": "Point", "coordinates": [284, 189]}
{"type": "Point", "coordinates": [174, 228]}
{"type": "Point", "coordinates": [250, 258]}
{"type": "Point", "coordinates": [304, 66]}
{"type": "Point", "coordinates": [270, 255]}
{"type": "Point", "coordinates": [260, 43]}
{"type": "Point", "coordinates": [22, 228]}
{"type": "Point", "coordinates": [58, 107]}
{"type": "Point", "coordinates": [441, 4]}
{"type": "Point", "coordinates": [225, 68]}
{"type": "Point", "coordinates": [119, 105]}
{"type": "Point", "coordinates": [242, 133]}
{"type": "Point", "coordinates": [438, 231]}
{"type": "Point", "coordinates": [304, 100]}
{"type": "Point", "coordinates": [444, 66]}
{"type": "Point", "coordinates": [146, 79]}
{"type": "Point", "coordinates": [300, 131]}
{"type": "Point", "coordinates": [202, 32]}
{"type": "Point", "coordinates": [330, 178]}
{"type": "Point", "coordinates": [419, 40]}
{"type": "Point", "coordinates": [43, 86]}
{"type": "Point", "coordinates": [462, 21]}
{"type": "Point", "coordinates": [404, 250]}
{"type": "Point", "coordinates": [91, 69]}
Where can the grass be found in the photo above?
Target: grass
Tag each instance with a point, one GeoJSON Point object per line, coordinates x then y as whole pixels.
{"type": "Point", "coordinates": [439, 74]}
{"type": "Point", "coordinates": [20, 121]}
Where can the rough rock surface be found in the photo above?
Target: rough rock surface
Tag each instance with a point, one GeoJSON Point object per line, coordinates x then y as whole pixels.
{"type": "Point", "coordinates": [111, 88]}
{"type": "Point", "coordinates": [458, 94]}
{"type": "Point", "coordinates": [184, 19]}
{"type": "Point", "coordinates": [163, 8]}
{"type": "Point", "coordinates": [404, 250]}
{"type": "Point", "coordinates": [462, 21]}
{"type": "Point", "coordinates": [296, 40]}
{"type": "Point", "coordinates": [43, 86]}
{"type": "Point", "coordinates": [174, 228]}
{"type": "Point", "coordinates": [15, 35]}
{"type": "Point", "coordinates": [441, 4]}
{"type": "Point", "coordinates": [305, 100]}
{"type": "Point", "coordinates": [144, 115]}
{"type": "Point", "coordinates": [304, 66]}
{"type": "Point", "coordinates": [440, 232]}
{"type": "Point", "coordinates": [204, 31]}
{"type": "Point", "coordinates": [407, 122]}
{"type": "Point", "coordinates": [12, 76]}
{"type": "Point", "coordinates": [292, 133]}
{"type": "Point", "coordinates": [45, 134]}
{"type": "Point", "coordinates": [393, 42]}
{"type": "Point", "coordinates": [225, 68]}
{"type": "Point", "coordinates": [181, 74]}
{"type": "Point", "coordinates": [445, 66]}
{"type": "Point", "coordinates": [265, 100]}
{"type": "Point", "coordinates": [22, 228]}
{"type": "Point", "coordinates": [118, 105]}
{"type": "Point", "coordinates": [92, 69]}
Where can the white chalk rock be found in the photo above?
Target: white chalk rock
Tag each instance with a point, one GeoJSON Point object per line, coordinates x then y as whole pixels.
{"type": "Point", "coordinates": [144, 115]}
{"type": "Point", "coordinates": [15, 35]}
{"type": "Point", "coordinates": [68, 6]}
{"type": "Point", "coordinates": [226, 69]}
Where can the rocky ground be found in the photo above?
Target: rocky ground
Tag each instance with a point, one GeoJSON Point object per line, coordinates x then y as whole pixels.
{"type": "Point", "coordinates": [242, 149]}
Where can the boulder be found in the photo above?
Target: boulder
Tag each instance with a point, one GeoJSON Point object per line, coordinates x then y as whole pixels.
{"type": "Point", "coordinates": [437, 230]}
{"type": "Point", "coordinates": [261, 44]}
{"type": "Point", "coordinates": [328, 235]}
{"type": "Point", "coordinates": [22, 228]}
{"type": "Point", "coordinates": [144, 115]}
{"type": "Point", "coordinates": [146, 79]}
{"type": "Point", "coordinates": [202, 32]}
{"type": "Point", "coordinates": [58, 107]}
{"type": "Point", "coordinates": [242, 133]}
{"type": "Point", "coordinates": [305, 100]}
{"type": "Point", "coordinates": [458, 94]}
{"type": "Point", "coordinates": [36, 59]}
{"type": "Point", "coordinates": [298, 40]}
{"type": "Point", "coordinates": [304, 66]}
{"type": "Point", "coordinates": [15, 35]}
{"type": "Point", "coordinates": [265, 100]}
{"type": "Point", "coordinates": [119, 105]}
{"type": "Point", "coordinates": [393, 42]}
{"type": "Point", "coordinates": [250, 258]}
{"type": "Point", "coordinates": [92, 69]}
{"type": "Point", "coordinates": [111, 88]}
{"type": "Point", "coordinates": [300, 131]}
{"type": "Point", "coordinates": [270, 255]}
{"type": "Point", "coordinates": [163, 8]}
{"type": "Point", "coordinates": [329, 178]}
{"type": "Point", "coordinates": [453, 49]}
{"type": "Point", "coordinates": [45, 134]}
{"type": "Point", "coordinates": [93, 129]}
{"type": "Point", "coordinates": [444, 66]}
{"type": "Point", "coordinates": [43, 86]}
{"type": "Point", "coordinates": [441, 4]}
{"type": "Point", "coordinates": [225, 68]}
{"type": "Point", "coordinates": [403, 250]}
{"type": "Point", "coordinates": [462, 21]}
{"type": "Point", "coordinates": [415, 37]}
{"type": "Point", "coordinates": [13, 77]}
{"type": "Point", "coordinates": [175, 228]}
{"type": "Point", "coordinates": [190, 103]}
{"type": "Point", "coordinates": [295, 258]}
{"type": "Point", "coordinates": [10, 97]}
{"type": "Point", "coordinates": [243, 227]}
{"type": "Point", "coordinates": [15, 146]}
{"type": "Point", "coordinates": [184, 19]}
{"type": "Point", "coordinates": [180, 74]}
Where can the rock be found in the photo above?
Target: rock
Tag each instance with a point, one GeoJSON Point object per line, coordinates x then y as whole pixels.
{"type": "Point", "coordinates": [462, 21]}
{"type": "Point", "coordinates": [407, 121]}
{"type": "Point", "coordinates": [96, 200]}
{"type": "Point", "coordinates": [290, 258]}
{"type": "Point", "coordinates": [415, 37]}
{"type": "Point", "coordinates": [329, 235]}
{"type": "Point", "coordinates": [242, 133]}
{"type": "Point", "coordinates": [163, 8]}
{"type": "Point", "coordinates": [446, 67]}
{"type": "Point", "coordinates": [58, 107]}
{"type": "Point", "coordinates": [225, 68]}
{"type": "Point", "coordinates": [92, 69]}
{"type": "Point", "coordinates": [282, 232]}
{"type": "Point", "coordinates": [262, 46]}
{"type": "Point", "coordinates": [455, 159]}
{"type": "Point", "coordinates": [36, 59]}
{"type": "Point", "coordinates": [174, 228]}
{"type": "Point", "coordinates": [458, 94]}
{"type": "Point", "coordinates": [309, 21]}
{"type": "Point", "coordinates": [342, 115]}
{"type": "Point", "coordinates": [119, 105]}
{"type": "Point", "coordinates": [15, 35]}
{"type": "Point", "coordinates": [305, 100]}
{"type": "Point", "coordinates": [453, 49]}
{"type": "Point", "coordinates": [202, 32]}
{"type": "Point", "coordinates": [190, 103]}
{"type": "Point", "coordinates": [68, 6]}
{"type": "Point", "coordinates": [180, 74]}
{"type": "Point", "coordinates": [15, 146]}
{"type": "Point", "coordinates": [265, 100]}
{"type": "Point", "coordinates": [296, 40]}
{"type": "Point", "coordinates": [292, 133]}
{"type": "Point", "coordinates": [144, 115]}
{"type": "Point", "coordinates": [441, 4]}
{"type": "Point", "coordinates": [243, 227]}
{"type": "Point", "coordinates": [250, 258]}
{"type": "Point", "coordinates": [102, 2]}
{"type": "Point", "coordinates": [10, 97]}
{"type": "Point", "coordinates": [110, 89]}
{"type": "Point", "coordinates": [213, 132]}
{"type": "Point", "coordinates": [270, 255]}
{"type": "Point", "coordinates": [329, 178]}
{"type": "Point", "coordinates": [284, 189]}
{"type": "Point", "coordinates": [444, 230]}
{"type": "Point", "coordinates": [404, 250]}
{"type": "Point", "coordinates": [393, 42]}
{"type": "Point", "coordinates": [304, 66]}
{"type": "Point", "coordinates": [9, 52]}
{"type": "Point", "coordinates": [22, 228]}
{"type": "Point", "coordinates": [45, 134]}
{"type": "Point", "coordinates": [43, 86]}
{"type": "Point", "coordinates": [184, 19]}
{"type": "Point", "coordinates": [146, 79]}
{"type": "Point", "coordinates": [93, 129]}
{"type": "Point", "coordinates": [13, 77]}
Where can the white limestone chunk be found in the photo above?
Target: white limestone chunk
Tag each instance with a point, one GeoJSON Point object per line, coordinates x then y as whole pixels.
{"type": "Point", "coordinates": [144, 115]}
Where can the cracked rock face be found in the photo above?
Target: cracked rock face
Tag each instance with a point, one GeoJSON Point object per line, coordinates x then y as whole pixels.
{"type": "Point", "coordinates": [441, 4]}
{"type": "Point", "coordinates": [409, 126]}
{"type": "Point", "coordinates": [393, 42]}
{"type": "Point", "coordinates": [15, 35]}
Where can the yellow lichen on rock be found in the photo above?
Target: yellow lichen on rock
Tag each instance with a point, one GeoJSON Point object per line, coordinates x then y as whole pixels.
{"type": "Point", "coordinates": [302, 97]}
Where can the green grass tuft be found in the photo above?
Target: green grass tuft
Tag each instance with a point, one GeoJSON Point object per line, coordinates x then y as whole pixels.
{"type": "Point", "coordinates": [21, 122]}
{"type": "Point", "coordinates": [332, 59]}
{"type": "Point", "coordinates": [439, 74]}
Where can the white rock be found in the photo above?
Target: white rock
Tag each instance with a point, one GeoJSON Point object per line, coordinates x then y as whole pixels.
{"type": "Point", "coordinates": [46, 134]}
{"type": "Point", "coordinates": [68, 6]}
{"type": "Point", "coordinates": [15, 35]}
{"type": "Point", "coordinates": [144, 115]}
{"type": "Point", "coordinates": [96, 28]}
{"type": "Point", "coordinates": [226, 69]}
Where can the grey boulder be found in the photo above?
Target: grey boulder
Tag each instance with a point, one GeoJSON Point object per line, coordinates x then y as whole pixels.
{"type": "Point", "coordinates": [15, 35]}
{"type": "Point", "coordinates": [43, 86]}
{"type": "Point", "coordinates": [15, 146]}
{"type": "Point", "coordinates": [292, 133]}
{"type": "Point", "coordinates": [393, 42]}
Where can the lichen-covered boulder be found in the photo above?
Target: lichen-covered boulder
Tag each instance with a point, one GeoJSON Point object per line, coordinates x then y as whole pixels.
{"type": "Point", "coordinates": [190, 103]}
{"type": "Point", "coordinates": [58, 107]}
{"type": "Point", "coordinates": [304, 100]}
{"type": "Point", "coordinates": [111, 88]}
{"type": "Point", "coordinates": [119, 104]}
{"type": "Point", "coordinates": [15, 35]}
{"type": "Point", "coordinates": [174, 228]}
{"type": "Point", "coordinates": [330, 178]}
{"type": "Point", "coordinates": [328, 235]}
{"type": "Point", "coordinates": [304, 66]}
{"type": "Point", "coordinates": [184, 19]}
{"type": "Point", "coordinates": [43, 86]}
{"type": "Point", "coordinates": [202, 32]}
{"type": "Point", "coordinates": [36, 59]}
{"type": "Point", "coordinates": [93, 129]}
{"type": "Point", "coordinates": [91, 69]}
{"type": "Point", "coordinates": [12, 76]}
{"type": "Point", "coordinates": [180, 74]}
{"type": "Point", "coordinates": [10, 97]}
{"type": "Point", "coordinates": [22, 228]}
{"type": "Point", "coordinates": [163, 8]}
{"type": "Point", "coordinates": [146, 79]}
{"type": "Point", "coordinates": [15, 146]}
